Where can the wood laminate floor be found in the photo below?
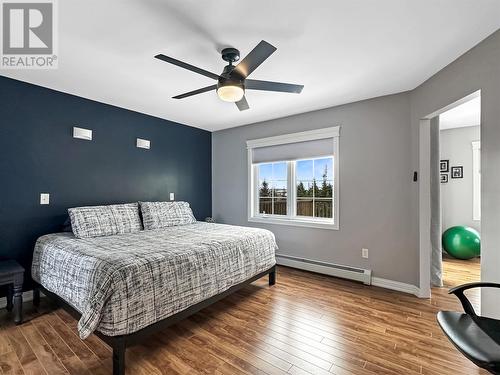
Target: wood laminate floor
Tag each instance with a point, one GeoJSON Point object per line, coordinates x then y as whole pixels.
{"type": "Point", "coordinates": [305, 324]}
{"type": "Point", "coordinates": [458, 271]}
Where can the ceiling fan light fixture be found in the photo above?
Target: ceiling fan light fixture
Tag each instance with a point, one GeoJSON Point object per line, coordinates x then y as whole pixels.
{"type": "Point", "coordinates": [233, 81]}
{"type": "Point", "coordinates": [230, 93]}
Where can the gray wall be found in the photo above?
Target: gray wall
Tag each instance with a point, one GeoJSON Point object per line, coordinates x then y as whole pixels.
{"type": "Point", "coordinates": [379, 149]}
{"type": "Point", "coordinates": [477, 69]}
{"type": "Point", "coordinates": [456, 195]}
{"type": "Point", "coordinates": [375, 180]}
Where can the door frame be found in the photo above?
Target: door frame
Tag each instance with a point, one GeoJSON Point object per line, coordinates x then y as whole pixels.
{"type": "Point", "coordinates": [425, 193]}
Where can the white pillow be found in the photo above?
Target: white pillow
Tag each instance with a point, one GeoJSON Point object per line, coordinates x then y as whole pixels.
{"type": "Point", "coordinates": [157, 215]}
{"type": "Point", "coordinates": [96, 221]}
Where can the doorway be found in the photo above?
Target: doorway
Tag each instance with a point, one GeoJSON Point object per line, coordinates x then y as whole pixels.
{"type": "Point", "coordinates": [450, 193]}
{"type": "Point", "coordinates": [460, 190]}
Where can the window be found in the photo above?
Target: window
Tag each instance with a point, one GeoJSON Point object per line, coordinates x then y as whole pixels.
{"type": "Point", "coordinates": [314, 182]}
{"type": "Point", "coordinates": [293, 179]}
{"type": "Point", "coordinates": [273, 182]}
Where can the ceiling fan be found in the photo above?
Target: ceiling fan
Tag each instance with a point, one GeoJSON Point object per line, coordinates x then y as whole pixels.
{"type": "Point", "coordinates": [232, 82]}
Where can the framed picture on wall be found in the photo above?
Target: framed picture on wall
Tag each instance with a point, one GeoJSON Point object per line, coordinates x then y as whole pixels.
{"type": "Point", "coordinates": [444, 178]}
{"type": "Point", "coordinates": [444, 166]}
{"type": "Point", "coordinates": [457, 172]}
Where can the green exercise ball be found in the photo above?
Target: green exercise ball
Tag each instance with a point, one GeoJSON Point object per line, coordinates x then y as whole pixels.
{"type": "Point", "coordinates": [462, 242]}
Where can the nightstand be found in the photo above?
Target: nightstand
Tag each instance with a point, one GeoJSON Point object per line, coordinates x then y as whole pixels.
{"type": "Point", "coordinates": [12, 274]}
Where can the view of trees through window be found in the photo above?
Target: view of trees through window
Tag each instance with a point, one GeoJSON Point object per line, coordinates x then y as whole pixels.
{"type": "Point", "coordinates": [273, 180]}
{"type": "Point", "coordinates": [314, 188]}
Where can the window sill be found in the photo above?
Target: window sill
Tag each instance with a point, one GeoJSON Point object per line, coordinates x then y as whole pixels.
{"type": "Point", "coordinates": [294, 222]}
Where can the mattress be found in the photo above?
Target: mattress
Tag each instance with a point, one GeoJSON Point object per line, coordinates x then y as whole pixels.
{"type": "Point", "coordinates": [123, 283]}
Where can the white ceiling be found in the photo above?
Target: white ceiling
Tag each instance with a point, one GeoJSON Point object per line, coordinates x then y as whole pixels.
{"type": "Point", "coordinates": [342, 51]}
{"type": "Point", "coordinates": [466, 114]}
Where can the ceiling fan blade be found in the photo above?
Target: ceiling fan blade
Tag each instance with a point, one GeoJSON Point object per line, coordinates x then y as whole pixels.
{"type": "Point", "coordinates": [195, 92]}
{"type": "Point", "coordinates": [256, 57]}
{"type": "Point", "coordinates": [187, 66]}
{"type": "Point", "coordinates": [255, 84]}
{"type": "Point", "coordinates": [242, 104]}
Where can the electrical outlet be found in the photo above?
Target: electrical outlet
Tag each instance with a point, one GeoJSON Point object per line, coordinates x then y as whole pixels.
{"type": "Point", "coordinates": [172, 196]}
{"type": "Point", "coordinates": [364, 253]}
{"type": "Point", "coordinates": [44, 198]}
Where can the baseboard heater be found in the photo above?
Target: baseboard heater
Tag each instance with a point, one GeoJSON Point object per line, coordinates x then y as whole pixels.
{"type": "Point", "coordinates": [337, 270]}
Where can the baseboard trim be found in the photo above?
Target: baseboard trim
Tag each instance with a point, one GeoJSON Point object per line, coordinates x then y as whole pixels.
{"type": "Point", "coordinates": [397, 286]}
{"type": "Point", "coordinates": [366, 278]}
{"type": "Point", "coordinates": [27, 296]}
{"type": "Point", "coordinates": [330, 269]}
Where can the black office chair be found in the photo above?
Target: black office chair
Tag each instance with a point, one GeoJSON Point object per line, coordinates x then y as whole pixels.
{"type": "Point", "coordinates": [476, 337]}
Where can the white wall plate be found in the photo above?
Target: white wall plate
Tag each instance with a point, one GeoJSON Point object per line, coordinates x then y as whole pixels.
{"type": "Point", "coordinates": [143, 143]}
{"type": "Point", "coordinates": [81, 133]}
{"type": "Point", "coordinates": [44, 198]}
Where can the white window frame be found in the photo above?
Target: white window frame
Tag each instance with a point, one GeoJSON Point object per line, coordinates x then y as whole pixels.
{"type": "Point", "coordinates": [256, 190]}
{"type": "Point", "coordinates": [292, 219]}
{"type": "Point", "coordinates": [476, 180]}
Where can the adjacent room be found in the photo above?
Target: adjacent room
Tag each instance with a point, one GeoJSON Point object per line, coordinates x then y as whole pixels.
{"type": "Point", "coordinates": [460, 178]}
{"type": "Point", "coordinates": [228, 188]}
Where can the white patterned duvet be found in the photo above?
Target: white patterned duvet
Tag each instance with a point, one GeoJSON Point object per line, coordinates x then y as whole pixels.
{"type": "Point", "coordinates": [123, 283]}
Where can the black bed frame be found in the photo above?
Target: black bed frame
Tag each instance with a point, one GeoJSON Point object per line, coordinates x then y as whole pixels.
{"type": "Point", "coordinates": [120, 343]}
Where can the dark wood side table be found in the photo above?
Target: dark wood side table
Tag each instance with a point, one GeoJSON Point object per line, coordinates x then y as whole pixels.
{"type": "Point", "coordinates": [12, 274]}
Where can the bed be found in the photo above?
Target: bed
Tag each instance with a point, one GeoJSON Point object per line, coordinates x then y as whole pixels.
{"type": "Point", "coordinates": [126, 286]}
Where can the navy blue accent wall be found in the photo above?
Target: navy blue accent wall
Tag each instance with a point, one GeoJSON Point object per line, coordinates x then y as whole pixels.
{"type": "Point", "coordinates": [38, 154]}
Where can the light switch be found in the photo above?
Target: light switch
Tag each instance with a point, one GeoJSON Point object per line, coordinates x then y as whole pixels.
{"type": "Point", "coordinates": [44, 198]}
{"type": "Point", "coordinates": [172, 196]}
